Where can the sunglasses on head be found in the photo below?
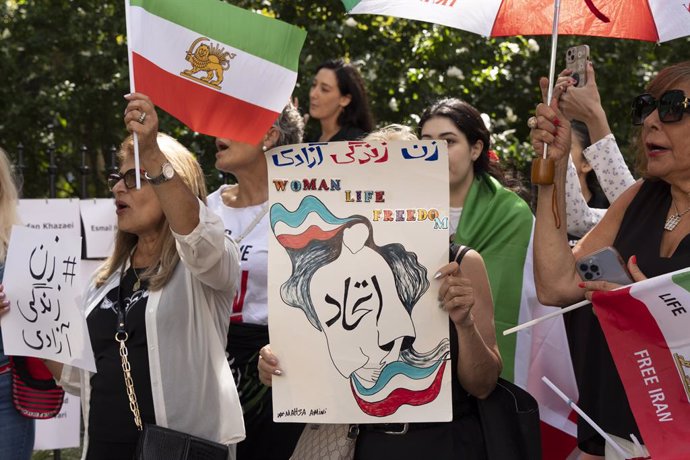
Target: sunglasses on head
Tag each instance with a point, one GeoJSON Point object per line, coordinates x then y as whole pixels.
{"type": "Point", "coordinates": [129, 177]}
{"type": "Point", "coordinates": [671, 105]}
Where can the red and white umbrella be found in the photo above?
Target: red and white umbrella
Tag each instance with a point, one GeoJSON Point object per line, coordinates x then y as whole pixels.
{"type": "Point", "coordinates": [649, 20]}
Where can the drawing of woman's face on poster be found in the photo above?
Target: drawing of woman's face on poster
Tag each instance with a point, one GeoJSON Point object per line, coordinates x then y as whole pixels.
{"type": "Point", "coordinates": [364, 327]}
{"type": "Point", "coordinates": [361, 296]}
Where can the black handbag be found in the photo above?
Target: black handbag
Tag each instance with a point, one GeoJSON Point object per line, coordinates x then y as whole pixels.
{"type": "Point", "coordinates": [159, 443]}
{"type": "Point", "coordinates": [510, 422]}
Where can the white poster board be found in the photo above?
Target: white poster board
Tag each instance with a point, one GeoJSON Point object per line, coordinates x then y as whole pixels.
{"type": "Point", "coordinates": [358, 231]}
{"type": "Point", "coordinates": [42, 283]}
{"type": "Point", "coordinates": [55, 214]}
{"type": "Point", "coordinates": [62, 431]}
{"type": "Point", "coordinates": [100, 226]}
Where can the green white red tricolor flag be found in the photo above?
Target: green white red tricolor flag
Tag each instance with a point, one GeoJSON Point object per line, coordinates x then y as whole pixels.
{"type": "Point", "coordinates": [647, 329]}
{"type": "Point", "coordinates": [221, 70]}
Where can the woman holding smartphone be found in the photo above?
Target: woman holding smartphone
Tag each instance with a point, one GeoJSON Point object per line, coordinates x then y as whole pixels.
{"type": "Point", "coordinates": [648, 225]}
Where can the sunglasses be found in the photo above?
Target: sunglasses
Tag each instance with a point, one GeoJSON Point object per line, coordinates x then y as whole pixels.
{"type": "Point", "coordinates": [129, 177]}
{"type": "Point", "coordinates": [671, 105]}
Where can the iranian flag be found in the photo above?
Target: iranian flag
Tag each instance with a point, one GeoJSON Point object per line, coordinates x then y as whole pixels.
{"type": "Point", "coordinates": [221, 70]}
{"type": "Point", "coordinates": [500, 226]}
{"type": "Point", "coordinates": [647, 328]}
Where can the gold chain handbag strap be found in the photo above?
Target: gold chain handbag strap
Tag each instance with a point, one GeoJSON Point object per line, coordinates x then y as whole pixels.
{"type": "Point", "coordinates": [121, 338]}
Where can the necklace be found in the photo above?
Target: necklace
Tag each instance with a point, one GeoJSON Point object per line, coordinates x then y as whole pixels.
{"type": "Point", "coordinates": [251, 226]}
{"type": "Point", "coordinates": [137, 283]}
{"type": "Point", "coordinates": [674, 219]}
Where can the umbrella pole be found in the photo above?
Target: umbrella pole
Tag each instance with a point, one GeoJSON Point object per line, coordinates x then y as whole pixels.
{"type": "Point", "coordinates": [543, 168]}
{"type": "Point", "coordinates": [554, 49]}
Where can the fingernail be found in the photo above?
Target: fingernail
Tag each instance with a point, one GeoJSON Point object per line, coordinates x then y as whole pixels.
{"type": "Point", "coordinates": [581, 285]}
{"type": "Point", "coordinates": [127, 96]}
{"type": "Point", "coordinates": [556, 122]}
{"type": "Point", "coordinates": [5, 303]}
{"type": "Point", "coordinates": [437, 275]}
{"type": "Point", "coordinates": [634, 260]}
{"type": "Point", "coordinates": [277, 372]}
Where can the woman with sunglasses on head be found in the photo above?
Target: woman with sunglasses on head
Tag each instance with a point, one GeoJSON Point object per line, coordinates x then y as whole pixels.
{"type": "Point", "coordinates": [648, 225]}
{"type": "Point", "coordinates": [338, 99]}
{"type": "Point", "coordinates": [243, 208]}
{"type": "Point", "coordinates": [164, 294]}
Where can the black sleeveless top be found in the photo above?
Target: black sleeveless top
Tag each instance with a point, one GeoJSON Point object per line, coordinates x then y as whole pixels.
{"type": "Point", "coordinates": [602, 396]}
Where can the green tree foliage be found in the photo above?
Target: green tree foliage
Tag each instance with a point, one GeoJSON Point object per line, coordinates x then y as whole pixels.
{"type": "Point", "coordinates": [64, 69]}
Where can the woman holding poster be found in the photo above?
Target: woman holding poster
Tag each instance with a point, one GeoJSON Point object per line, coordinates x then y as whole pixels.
{"type": "Point", "coordinates": [243, 208]}
{"type": "Point", "coordinates": [372, 343]}
{"type": "Point", "coordinates": [160, 305]}
{"type": "Point", "coordinates": [648, 225]}
{"type": "Point", "coordinates": [485, 214]}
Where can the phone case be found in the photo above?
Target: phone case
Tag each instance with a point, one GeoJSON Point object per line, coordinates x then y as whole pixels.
{"type": "Point", "coordinates": [604, 265]}
{"type": "Point", "coordinates": [576, 59]}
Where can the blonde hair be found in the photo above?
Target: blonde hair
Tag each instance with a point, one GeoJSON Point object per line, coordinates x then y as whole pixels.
{"type": "Point", "coordinates": [8, 203]}
{"type": "Point", "coordinates": [189, 170]}
{"type": "Point", "coordinates": [392, 132]}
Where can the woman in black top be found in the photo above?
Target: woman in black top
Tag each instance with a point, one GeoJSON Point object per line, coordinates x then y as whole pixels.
{"type": "Point", "coordinates": [338, 99]}
{"type": "Point", "coordinates": [636, 224]}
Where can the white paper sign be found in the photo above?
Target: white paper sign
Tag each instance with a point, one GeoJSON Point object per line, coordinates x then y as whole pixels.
{"type": "Point", "coordinates": [100, 226]}
{"type": "Point", "coordinates": [358, 231]}
{"type": "Point", "coordinates": [42, 283]}
{"type": "Point", "coordinates": [61, 431]}
{"type": "Point", "coordinates": [56, 214]}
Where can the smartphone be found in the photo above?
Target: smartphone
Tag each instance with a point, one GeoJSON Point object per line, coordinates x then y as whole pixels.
{"type": "Point", "coordinates": [576, 59]}
{"type": "Point", "coordinates": [604, 265]}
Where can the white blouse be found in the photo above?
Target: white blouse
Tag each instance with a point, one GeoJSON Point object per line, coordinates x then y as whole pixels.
{"type": "Point", "coordinates": [613, 175]}
{"type": "Point", "coordinates": [186, 330]}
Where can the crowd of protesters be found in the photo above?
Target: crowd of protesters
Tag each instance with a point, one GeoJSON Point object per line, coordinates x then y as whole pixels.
{"type": "Point", "coordinates": [207, 368]}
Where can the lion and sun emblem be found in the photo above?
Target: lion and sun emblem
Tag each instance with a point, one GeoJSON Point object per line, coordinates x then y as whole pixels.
{"type": "Point", "coordinates": [208, 58]}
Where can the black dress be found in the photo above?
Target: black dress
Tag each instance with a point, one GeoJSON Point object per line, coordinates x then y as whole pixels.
{"type": "Point", "coordinates": [602, 396]}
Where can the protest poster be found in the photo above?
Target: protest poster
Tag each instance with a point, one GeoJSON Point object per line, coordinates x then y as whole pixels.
{"type": "Point", "coordinates": [41, 282]}
{"type": "Point", "coordinates": [55, 214]}
{"type": "Point", "coordinates": [358, 230]}
{"type": "Point", "coordinates": [100, 226]}
{"type": "Point", "coordinates": [61, 431]}
{"type": "Point", "coordinates": [646, 327]}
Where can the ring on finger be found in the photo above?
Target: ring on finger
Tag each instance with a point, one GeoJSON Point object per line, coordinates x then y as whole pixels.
{"type": "Point", "coordinates": [532, 122]}
{"type": "Point", "coordinates": [142, 117]}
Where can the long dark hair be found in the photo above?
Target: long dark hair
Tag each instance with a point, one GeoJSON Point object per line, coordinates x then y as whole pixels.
{"type": "Point", "coordinates": [469, 121]}
{"type": "Point", "coordinates": [357, 112]}
{"type": "Point", "coordinates": [581, 132]}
